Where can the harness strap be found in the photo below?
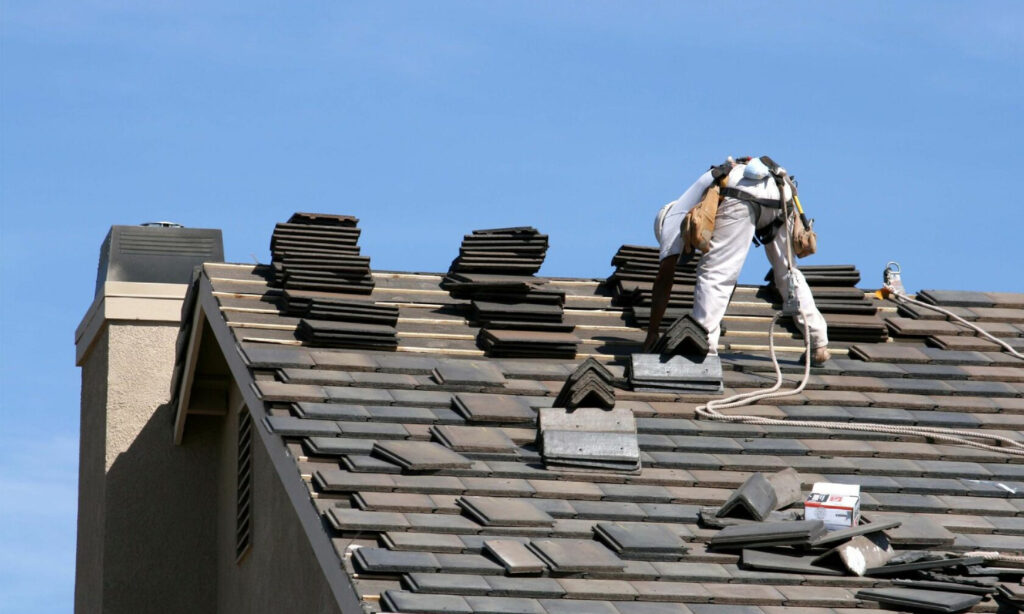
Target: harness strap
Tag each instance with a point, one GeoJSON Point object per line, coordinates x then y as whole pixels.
{"type": "Point", "coordinates": [739, 194]}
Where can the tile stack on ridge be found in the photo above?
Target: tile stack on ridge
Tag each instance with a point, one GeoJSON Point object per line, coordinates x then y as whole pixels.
{"type": "Point", "coordinates": [315, 260]}
{"type": "Point", "coordinates": [519, 250]}
{"type": "Point", "coordinates": [314, 251]}
{"type": "Point", "coordinates": [834, 287]}
{"type": "Point", "coordinates": [590, 385]}
{"type": "Point", "coordinates": [595, 437]}
{"type": "Point", "coordinates": [518, 317]}
{"type": "Point", "coordinates": [632, 282]}
{"type": "Point", "coordinates": [681, 362]}
{"type": "Point", "coordinates": [850, 315]}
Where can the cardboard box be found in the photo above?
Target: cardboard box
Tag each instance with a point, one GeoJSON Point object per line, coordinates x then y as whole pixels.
{"type": "Point", "coordinates": [837, 504]}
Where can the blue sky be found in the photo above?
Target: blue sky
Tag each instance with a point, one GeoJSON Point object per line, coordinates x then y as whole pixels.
{"type": "Point", "coordinates": [901, 120]}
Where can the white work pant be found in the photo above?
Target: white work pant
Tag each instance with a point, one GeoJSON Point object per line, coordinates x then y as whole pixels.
{"type": "Point", "coordinates": [720, 268]}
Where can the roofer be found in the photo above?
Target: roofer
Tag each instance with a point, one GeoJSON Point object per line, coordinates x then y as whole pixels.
{"type": "Point", "coordinates": [749, 205]}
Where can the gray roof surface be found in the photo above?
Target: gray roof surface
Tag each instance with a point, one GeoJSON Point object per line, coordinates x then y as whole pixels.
{"type": "Point", "coordinates": [411, 486]}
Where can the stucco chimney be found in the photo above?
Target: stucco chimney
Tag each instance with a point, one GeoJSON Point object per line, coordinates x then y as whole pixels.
{"type": "Point", "coordinates": [131, 478]}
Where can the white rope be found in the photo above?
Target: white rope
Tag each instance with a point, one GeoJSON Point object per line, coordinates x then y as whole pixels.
{"type": "Point", "coordinates": [974, 439]}
{"type": "Point", "coordinates": [900, 297]}
{"type": "Point", "coordinates": [711, 411]}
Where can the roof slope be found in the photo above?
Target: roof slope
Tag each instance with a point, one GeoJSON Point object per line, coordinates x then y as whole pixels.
{"type": "Point", "coordinates": [408, 523]}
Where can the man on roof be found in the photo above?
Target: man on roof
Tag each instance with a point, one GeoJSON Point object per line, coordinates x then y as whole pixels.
{"type": "Point", "coordinates": [750, 205]}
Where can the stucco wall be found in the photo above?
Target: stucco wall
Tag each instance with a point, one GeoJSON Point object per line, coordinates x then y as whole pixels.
{"type": "Point", "coordinates": [155, 537]}
{"type": "Point", "coordinates": [91, 480]}
{"type": "Point", "coordinates": [280, 573]}
{"type": "Point", "coordinates": [156, 520]}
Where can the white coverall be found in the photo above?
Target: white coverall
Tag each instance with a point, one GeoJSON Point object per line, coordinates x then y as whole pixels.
{"type": "Point", "coordinates": [720, 267]}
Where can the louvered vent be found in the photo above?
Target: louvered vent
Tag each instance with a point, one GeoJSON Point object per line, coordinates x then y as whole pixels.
{"type": "Point", "coordinates": [243, 518]}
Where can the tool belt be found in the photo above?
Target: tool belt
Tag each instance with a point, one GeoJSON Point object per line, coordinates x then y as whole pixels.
{"type": "Point", "coordinates": [699, 223]}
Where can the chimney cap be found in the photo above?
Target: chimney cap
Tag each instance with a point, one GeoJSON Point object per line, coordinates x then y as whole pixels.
{"type": "Point", "coordinates": [157, 252]}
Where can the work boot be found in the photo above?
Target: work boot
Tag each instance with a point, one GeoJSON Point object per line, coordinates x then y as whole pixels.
{"type": "Point", "coordinates": [819, 356]}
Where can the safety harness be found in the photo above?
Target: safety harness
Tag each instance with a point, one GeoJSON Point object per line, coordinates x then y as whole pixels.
{"type": "Point", "coordinates": [699, 223]}
{"type": "Point", "coordinates": [806, 242]}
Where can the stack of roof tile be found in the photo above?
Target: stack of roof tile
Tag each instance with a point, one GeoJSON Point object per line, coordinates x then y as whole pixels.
{"type": "Point", "coordinates": [315, 251]}
{"type": "Point", "coordinates": [595, 437]}
{"type": "Point", "coordinates": [518, 316]}
{"type": "Point", "coordinates": [675, 374]}
{"type": "Point", "coordinates": [632, 282]}
{"type": "Point", "coordinates": [527, 343]}
{"type": "Point", "coordinates": [357, 335]}
{"type": "Point", "coordinates": [686, 336]}
{"type": "Point", "coordinates": [589, 439]}
{"type": "Point", "coordinates": [519, 250]}
{"type": "Point", "coordinates": [851, 316]}
{"type": "Point", "coordinates": [315, 259]}
{"type": "Point", "coordinates": [833, 287]}
{"type": "Point", "coordinates": [590, 385]}
{"type": "Point", "coordinates": [329, 306]}
{"type": "Point", "coordinates": [641, 541]}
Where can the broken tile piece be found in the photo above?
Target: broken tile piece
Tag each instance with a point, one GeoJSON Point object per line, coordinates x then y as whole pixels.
{"type": "Point", "coordinates": [755, 499]}
{"type": "Point", "coordinates": [787, 560]}
{"type": "Point", "coordinates": [768, 534]}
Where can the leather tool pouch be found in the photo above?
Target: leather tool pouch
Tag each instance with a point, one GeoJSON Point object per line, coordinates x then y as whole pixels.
{"type": "Point", "coordinates": [699, 222]}
{"type": "Point", "coordinates": [805, 240]}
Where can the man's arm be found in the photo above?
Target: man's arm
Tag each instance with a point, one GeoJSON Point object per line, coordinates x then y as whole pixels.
{"type": "Point", "coordinates": [659, 302]}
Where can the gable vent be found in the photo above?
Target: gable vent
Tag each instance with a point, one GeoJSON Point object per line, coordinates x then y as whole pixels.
{"type": "Point", "coordinates": [243, 517]}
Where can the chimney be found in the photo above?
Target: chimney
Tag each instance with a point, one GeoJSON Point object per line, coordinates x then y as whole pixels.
{"type": "Point", "coordinates": [134, 529]}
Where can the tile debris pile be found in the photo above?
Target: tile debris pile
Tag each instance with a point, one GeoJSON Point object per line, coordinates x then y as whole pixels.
{"type": "Point", "coordinates": [471, 520]}
{"type": "Point", "coordinates": [517, 314]}
{"type": "Point", "coordinates": [937, 581]}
